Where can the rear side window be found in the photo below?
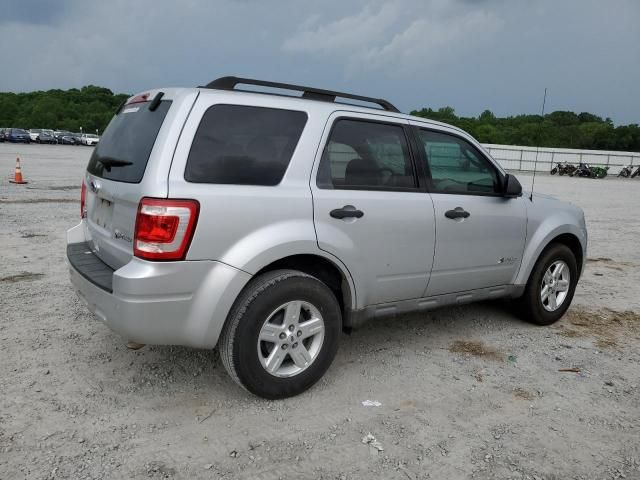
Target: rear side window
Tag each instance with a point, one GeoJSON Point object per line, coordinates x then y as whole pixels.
{"type": "Point", "coordinates": [244, 145]}
{"type": "Point", "coordinates": [123, 151]}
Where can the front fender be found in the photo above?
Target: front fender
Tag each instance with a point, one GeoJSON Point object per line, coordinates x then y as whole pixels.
{"type": "Point", "coordinates": [541, 230]}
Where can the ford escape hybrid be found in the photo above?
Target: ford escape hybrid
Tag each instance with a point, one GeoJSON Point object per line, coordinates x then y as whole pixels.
{"type": "Point", "coordinates": [266, 224]}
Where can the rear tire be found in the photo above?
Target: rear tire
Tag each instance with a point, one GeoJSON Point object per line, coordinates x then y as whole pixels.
{"type": "Point", "coordinates": [533, 306]}
{"type": "Point", "coordinates": [290, 360]}
{"type": "Point", "coordinates": [554, 170]}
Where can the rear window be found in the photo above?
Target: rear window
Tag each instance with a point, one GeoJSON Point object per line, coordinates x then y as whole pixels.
{"type": "Point", "coordinates": [243, 145]}
{"type": "Point", "coordinates": [125, 146]}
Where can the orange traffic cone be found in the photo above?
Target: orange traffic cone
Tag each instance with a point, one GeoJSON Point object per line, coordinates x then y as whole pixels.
{"type": "Point", "coordinates": [18, 176]}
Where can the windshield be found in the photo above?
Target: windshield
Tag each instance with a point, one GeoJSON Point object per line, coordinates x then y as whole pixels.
{"type": "Point", "coordinates": [19, 131]}
{"type": "Point", "coordinates": [123, 151]}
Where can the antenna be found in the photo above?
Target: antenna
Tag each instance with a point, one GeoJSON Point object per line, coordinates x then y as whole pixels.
{"type": "Point", "coordinates": [535, 163]}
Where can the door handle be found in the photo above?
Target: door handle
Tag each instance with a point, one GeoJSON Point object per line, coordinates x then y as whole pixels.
{"type": "Point", "coordinates": [457, 212]}
{"type": "Point", "coordinates": [346, 212]}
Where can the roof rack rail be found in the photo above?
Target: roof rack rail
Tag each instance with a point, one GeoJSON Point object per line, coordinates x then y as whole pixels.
{"type": "Point", "coordinates": [310, 93]}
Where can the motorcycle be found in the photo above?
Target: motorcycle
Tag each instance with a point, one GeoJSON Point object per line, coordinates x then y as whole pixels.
{"type": "Point", "coordinates": [626, 171]}
{"type": "Point", "coordinates": [582, 170]}
{"type": "Point", "coordinates": [636, 173]}
{"type": "Point", "coordinates": [599, 172]}
{"type": "Point", "coordinates": [562, 168]}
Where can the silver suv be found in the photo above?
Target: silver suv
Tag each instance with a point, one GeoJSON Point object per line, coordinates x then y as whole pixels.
{"type": "Point", "coordinates": [267, 224]}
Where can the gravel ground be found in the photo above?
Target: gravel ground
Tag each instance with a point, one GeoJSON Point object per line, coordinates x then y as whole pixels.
{"type": "Point", "coordinates": [467, 392]}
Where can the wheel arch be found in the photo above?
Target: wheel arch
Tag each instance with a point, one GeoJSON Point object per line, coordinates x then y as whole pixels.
{"type": "Point", "coordinates": [574, 245]}
{"type": "Point", "coordinates": [570, 239]}
{"type": "Point", "coordinates": [331, 272]}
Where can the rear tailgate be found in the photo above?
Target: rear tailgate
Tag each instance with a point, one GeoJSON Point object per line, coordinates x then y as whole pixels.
{"type": "Point", "coordinates": [131, 161]}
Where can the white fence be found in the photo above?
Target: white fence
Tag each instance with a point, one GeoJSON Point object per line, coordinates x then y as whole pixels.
{"type": "Point", "coordinates": [513, 157]}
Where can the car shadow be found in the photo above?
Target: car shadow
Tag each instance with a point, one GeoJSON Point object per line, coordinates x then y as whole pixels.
{"type": "Point", "coordinates": [200, 371]}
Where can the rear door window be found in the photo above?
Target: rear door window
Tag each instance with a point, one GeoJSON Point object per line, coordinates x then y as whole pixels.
{"type": "Point", "coordinates": [244, 145]}
{"type": "Point", "coordinates": [123, 151]}
{"type": "Point", "coordinates": [367, 155]}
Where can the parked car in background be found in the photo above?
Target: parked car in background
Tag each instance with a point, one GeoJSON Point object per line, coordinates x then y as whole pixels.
{"type": "Point", "coordinates": [34, 133]}
{"type": "Point", "coordinates": [17, 135]}
{"type": "Point", "coordinates": [89, 139]}
{"type": "Point", "coordinates": [76, 137]}
{"type": "Point", "coordinates": [2, 134]}
{"type": "Point", "coordinates": [46, 136]}
{"type": "Point", "coordinates": [65, 138]}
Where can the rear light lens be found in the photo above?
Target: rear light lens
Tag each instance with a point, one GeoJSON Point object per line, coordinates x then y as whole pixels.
{"type": "Point", "coordinates": [164, 228]}
{"type": "Point", "coordinates": [83, 200]}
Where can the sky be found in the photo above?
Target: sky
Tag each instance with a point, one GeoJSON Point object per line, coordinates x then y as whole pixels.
{"type": "Point", "coordinates": [471, 55]}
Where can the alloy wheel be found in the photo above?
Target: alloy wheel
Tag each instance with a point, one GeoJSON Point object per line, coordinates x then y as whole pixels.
{"type": "Point", "coordinates": [291, 339]}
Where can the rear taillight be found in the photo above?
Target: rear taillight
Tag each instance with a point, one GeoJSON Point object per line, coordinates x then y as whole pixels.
{"type": "Point", "coordinates": [83, 199]}
{"type": "Point", "coordinates": [164, 228]}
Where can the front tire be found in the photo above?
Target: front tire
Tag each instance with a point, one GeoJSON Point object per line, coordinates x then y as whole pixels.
{"type": "Point", "coordinates": [281, 334]}
{"type": "Point", "coordinates": [551, 286]}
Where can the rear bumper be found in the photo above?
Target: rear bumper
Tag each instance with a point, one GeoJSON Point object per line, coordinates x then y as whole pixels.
{"type": "Point", "coordinates": [166, 303]}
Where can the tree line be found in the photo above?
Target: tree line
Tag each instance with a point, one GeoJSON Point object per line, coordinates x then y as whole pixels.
{"type": "Point", "coordinates": [92, 107]}
{"type": "Point", "coordinates": [558, 129]}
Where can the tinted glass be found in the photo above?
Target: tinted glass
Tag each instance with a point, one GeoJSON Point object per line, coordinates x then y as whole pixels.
{"type": "Point", "coordinates": [456, 166]}
{"type": "Point", "coordinates": [243, 145]}
{"type": "Point", "coordinates": [129, 137]}
{"type": "Point", "coordinates": [361, 155]}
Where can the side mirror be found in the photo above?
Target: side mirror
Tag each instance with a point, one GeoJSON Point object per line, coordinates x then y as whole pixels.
{"type": "Point", "coordinates": [512, 187]}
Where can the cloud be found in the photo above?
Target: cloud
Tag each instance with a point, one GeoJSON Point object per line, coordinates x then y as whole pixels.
{"type": "Point", "coordinates": [402, 37]}
{"type": "Point", "coordinates": [427, 41]}
{"type": "Point", "coordinates": [32, 11]}
{"type": "Point", "coordinates": [345, 34]}
{"type": "Point", "coordinates": [470, 54]}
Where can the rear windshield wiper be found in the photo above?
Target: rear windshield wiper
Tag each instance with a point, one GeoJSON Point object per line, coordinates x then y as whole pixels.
{"type": "Point", "coordinates": [109, 162]}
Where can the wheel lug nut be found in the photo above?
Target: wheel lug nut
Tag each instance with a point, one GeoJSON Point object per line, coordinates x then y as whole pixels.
{"type": "Point", "coordinates": [291, 328]}
{"type": "Point", "coordinates": [283, 336]}
{"type": "Point", "coordinates": [284, 347]}
{"type": "Point", "coordinates": [299, 333]}
{"type": "Point", "coordinates": [294, 345]}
